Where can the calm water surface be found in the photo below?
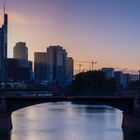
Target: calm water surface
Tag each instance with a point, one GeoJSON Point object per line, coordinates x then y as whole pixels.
{"type": "Point", "coordinates": [64, 121]}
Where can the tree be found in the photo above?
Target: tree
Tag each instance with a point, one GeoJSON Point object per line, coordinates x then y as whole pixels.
{"type": "Point", "coordinates": [93, 81]}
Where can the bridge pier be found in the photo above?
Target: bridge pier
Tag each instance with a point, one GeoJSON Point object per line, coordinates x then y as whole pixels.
{"type": "Point", "coordinates": [5, 118]}
{"type": "Point", "coordinates": [131, 123]}
{"type": "Point", "coordinates": [5, 123]}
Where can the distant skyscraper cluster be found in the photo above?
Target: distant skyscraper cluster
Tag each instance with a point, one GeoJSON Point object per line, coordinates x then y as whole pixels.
{"type": "Point", "coordinates": [122, 79]}
{"type": "Point", "coordinates": [53, 66]}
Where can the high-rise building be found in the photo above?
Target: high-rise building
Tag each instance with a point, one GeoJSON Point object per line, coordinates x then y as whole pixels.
{"type": "Point", "coordinates": [40, 66]}
{"type": "Point", "coordinates": [30, 66]}
{"type": "Point", "coordinates": [56, 64]}
{"type": "Point", "coordinates": [126, 79]}
{"type": "Point", "coordinates": [134, 77]}
{"type": "Point", "coordinates": [17, 73]}
{"type": "Point", "coordinates": [119, 79]}
{"type": "Point", "coordinates": [70, 69]}
{"type": "Point", "coordinates": [19, 64]}
{"type": "Point", "coordinates": [109, 72]}
{"type": "Point", "coordinates": [12, 69]}
{"type": "Point", "coordinates": [21, 52]}
{"type": "Point", "coordinates": [3, 48]}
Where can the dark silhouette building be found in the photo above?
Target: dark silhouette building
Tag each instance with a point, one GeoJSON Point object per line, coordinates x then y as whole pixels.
{"type": "Point", "coordinates": [40, 66]}
{"type": "Point", "coordinates": [19, 68]}
{"type": "Point", "coordinates": [56, 64]}
{"type": "Point", "coordinates": [70, 69]}
{"type": "Point", "coordinates": [21, 52]}
{"type": "Point", "coordinates": [3, 48]}
{"type": "Point", "coordinates": [17, 73]}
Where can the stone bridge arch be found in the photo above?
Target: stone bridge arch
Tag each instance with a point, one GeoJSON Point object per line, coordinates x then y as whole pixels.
{"type": "Point", "coordinates": [125, 104]}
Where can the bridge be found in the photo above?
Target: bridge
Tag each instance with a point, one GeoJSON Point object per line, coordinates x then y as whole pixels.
{"type": "Point", "coordinates": [130, 107]}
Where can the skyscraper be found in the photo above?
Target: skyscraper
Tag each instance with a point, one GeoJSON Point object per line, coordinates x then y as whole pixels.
{"type": "Point", "coordinates": [3, 48]}
{"type": "Point", "coordinates": [109, 72]}
{"type": "Point", "coordinates": [24, 67]}
{"type": "Point", "coordinates": [56, 64]}
{"type": "Point", "coordinates": [40, 66]}
{"type": "Point", "coordinates": [21, 53]}
{"type": "Point", "coordinates": [70, 69]}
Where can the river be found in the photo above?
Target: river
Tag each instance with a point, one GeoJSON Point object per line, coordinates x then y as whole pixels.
{"type": "Point", "coordinates": [65, 121]}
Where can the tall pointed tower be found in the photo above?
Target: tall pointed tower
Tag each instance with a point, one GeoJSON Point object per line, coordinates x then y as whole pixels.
{"type": "Point", "coordinates": [3, 47]}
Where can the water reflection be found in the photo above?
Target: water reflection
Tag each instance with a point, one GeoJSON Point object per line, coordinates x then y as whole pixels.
{"type": "Point", "coordinates": [67, 122]}
{"type": "Point", "coordinates": [126, 136]}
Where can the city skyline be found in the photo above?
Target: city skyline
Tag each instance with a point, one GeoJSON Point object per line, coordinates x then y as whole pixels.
{"type": "Point", "coordinates": [105, 31]}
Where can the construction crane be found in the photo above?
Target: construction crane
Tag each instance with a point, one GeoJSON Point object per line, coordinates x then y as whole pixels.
{"type": "Point", "coordinates": [80, 66]}
{"type": "Point", "coordinates": [91, 62]}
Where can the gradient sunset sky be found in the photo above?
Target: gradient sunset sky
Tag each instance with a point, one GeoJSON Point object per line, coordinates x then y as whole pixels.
{"type": "Point", "coordinates": [107, 31]}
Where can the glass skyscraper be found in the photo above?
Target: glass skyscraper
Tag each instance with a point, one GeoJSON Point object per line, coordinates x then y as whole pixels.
{"type": "Point", "coordinates": [3, 48]}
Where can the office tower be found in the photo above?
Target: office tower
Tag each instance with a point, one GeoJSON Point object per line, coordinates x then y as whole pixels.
{"type": "Point", "coordinates": [109, 72]}
{"type": "Point", "coordinates": [70, 69]}
{"type": "Point", "coordinates": [126, 79]}
{"type": "Point", "coordinates": [56, 64]}
{"type": "Point", "coordinates": [19, 68]}
{"type": "Point", "coordinates": [119, 79]}
{"type": "Point", "coordinates": [40, 66]}
{"type": "Point", "coordinates": [30, 66]}
{"type": "Point", "coordinates": [3, 48]}
{"type": "Point", "coordinates": [21, 53]}
{"type": "Point", "coordinates": [134, 77]}
{"type": "Point", "coordinates": [12, 68]}
{"type": "Point", "coordinates": [15, 72]}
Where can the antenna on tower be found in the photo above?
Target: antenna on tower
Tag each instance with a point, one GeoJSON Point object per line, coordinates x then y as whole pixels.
{"type": "Point", "coordinates": [4, 7]}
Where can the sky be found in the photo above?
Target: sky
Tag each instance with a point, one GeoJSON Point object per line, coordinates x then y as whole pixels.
{"type": "Point", "coordinates": [106, 31]}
